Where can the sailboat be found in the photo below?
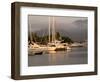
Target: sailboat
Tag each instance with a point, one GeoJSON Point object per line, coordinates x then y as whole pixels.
{"type": "Point", "coordinates": [33, 48]}
{"type": "Point", "coordinates": [51, 45]}
{"type": "Point", "coordinates": [55, 44]}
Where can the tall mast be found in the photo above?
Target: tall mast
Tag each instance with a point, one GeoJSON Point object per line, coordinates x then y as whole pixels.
{"type": "Point", "coordinates": [49, 28]}
{"type": "Point", "coordinates": [53, 29]}
{"type": "Point", "coordinates": [30, 33]}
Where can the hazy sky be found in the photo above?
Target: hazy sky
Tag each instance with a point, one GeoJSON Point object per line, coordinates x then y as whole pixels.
{"type": "Point", "coordinates": [73, 27]}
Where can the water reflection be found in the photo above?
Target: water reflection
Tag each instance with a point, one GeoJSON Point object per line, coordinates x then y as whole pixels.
{"type": "Point", "coordinates": [74, 56]}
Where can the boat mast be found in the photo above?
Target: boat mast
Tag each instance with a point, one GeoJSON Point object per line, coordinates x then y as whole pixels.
{"type": "Point", "coordinates": [30, 33]}
{"type": "Point", "coordinates": [49, 28]}
{"type": "Point", "coordinates": [53, 29]}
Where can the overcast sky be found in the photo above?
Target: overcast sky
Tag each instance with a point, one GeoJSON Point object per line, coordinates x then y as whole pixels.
{"type": "Point", "coordinates": [74, 27]}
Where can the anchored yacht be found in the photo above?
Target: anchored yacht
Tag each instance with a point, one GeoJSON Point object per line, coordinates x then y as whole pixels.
{"type": "Point", "coordinates": [53, 44]}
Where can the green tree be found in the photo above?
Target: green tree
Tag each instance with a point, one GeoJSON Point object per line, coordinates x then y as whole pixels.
{"type": "Point", "coordinates": [66, 39]}
{"type": "Point", "coordinates": [45, 40]}
{"type": "Point", "coordinates": [57, 35]}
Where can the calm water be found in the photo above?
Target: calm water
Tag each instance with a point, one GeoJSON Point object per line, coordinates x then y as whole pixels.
{"type": "Point", "coordinates": [68, 57]}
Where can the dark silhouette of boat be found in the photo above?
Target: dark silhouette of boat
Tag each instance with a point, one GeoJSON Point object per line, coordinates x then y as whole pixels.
{"type": "Point", "coordinates": [38, 53]}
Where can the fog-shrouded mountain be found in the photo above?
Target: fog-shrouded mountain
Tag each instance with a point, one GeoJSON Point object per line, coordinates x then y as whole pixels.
{"type": "Point", "coordinates": [76, 29]}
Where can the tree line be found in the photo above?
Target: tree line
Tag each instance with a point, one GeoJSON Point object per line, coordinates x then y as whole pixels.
{"type": "Point", "coordinates": [44, 39]}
